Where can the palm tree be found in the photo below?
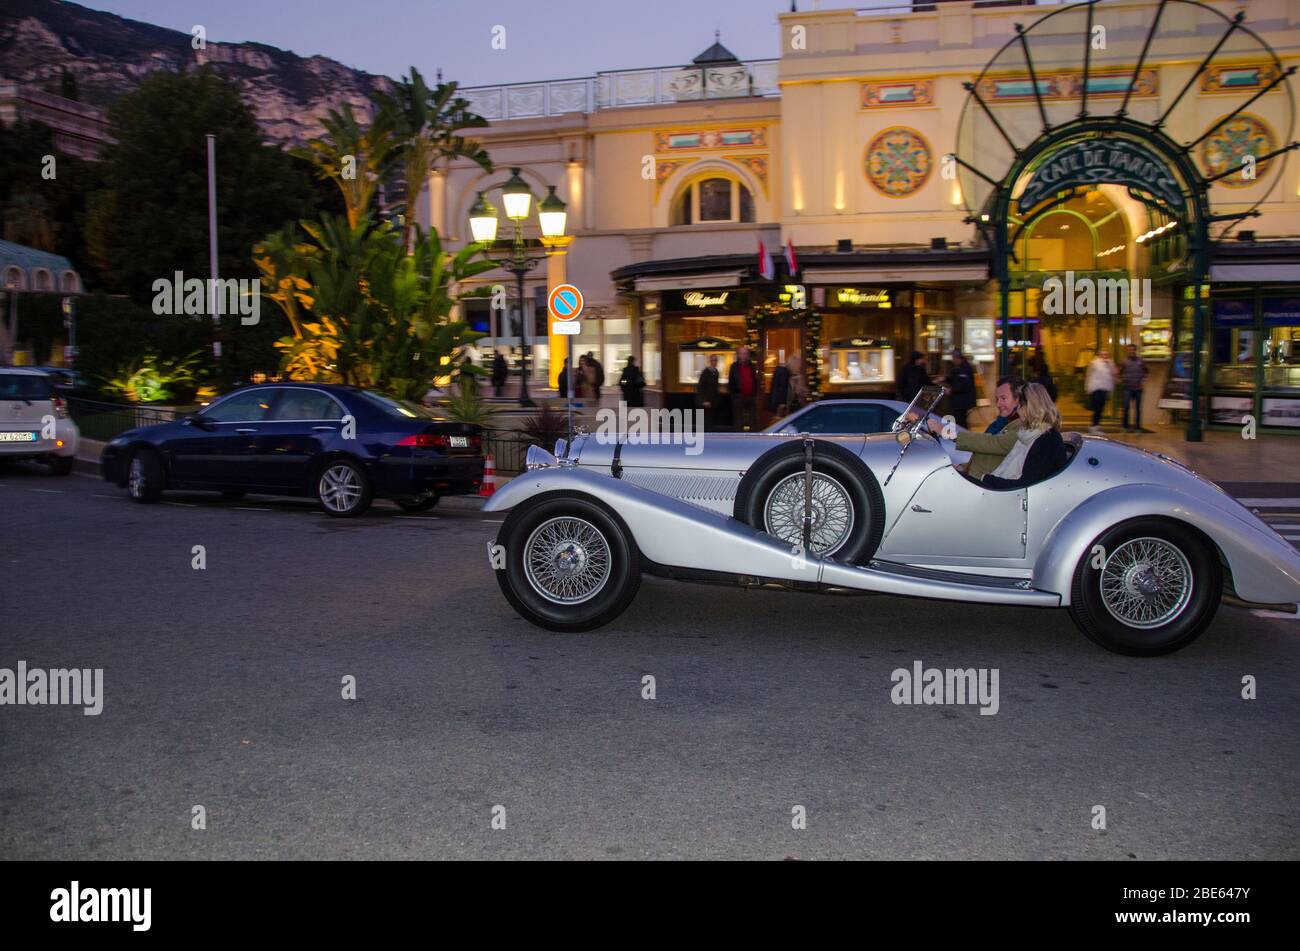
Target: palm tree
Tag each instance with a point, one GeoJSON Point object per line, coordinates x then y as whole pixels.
{"type": "Point", "coordinates": [428, 126]}
{"type": "Point", "coordinates": [353, 156]}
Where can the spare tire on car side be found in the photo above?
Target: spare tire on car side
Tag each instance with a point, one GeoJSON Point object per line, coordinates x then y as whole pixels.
{"type": "Point", "coordinates": [848, 507]}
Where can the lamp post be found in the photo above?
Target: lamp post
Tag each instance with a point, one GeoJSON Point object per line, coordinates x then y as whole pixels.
{"type": "Point", "coordinates": [518, 199]}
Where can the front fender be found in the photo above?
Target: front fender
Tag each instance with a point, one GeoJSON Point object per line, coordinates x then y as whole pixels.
{"type": "Point", "coordinates": [1265, 569]}
{"type": "Point", "coordinates": [669, 531]}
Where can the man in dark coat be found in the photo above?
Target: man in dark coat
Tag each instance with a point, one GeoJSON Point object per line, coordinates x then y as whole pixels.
{"type": "Point", "coordinates": [499, 373]}
{"type": "Point", "coordinates": [961, 387]}
{"type": "Point", "coordinates": [915, 376]}
{"type": "Point", "coordinates": [706, 392]}
{"type": "Point", "coordinates": [632, 383]}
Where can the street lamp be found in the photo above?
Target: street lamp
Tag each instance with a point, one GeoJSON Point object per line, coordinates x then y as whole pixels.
{"type": "Point", "coordinates": [551, 215]}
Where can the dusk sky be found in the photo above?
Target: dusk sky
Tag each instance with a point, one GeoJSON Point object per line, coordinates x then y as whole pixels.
{"type": "Point", "coordinates": [551, 40]}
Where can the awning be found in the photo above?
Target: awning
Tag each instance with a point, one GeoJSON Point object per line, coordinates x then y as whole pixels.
{"type": "Point", "coordinates": [716, 279]}
{"type": "Point", "coordinates": [880, 275]}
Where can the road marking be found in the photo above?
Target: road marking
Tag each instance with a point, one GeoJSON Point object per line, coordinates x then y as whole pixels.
{"type": "Point", "coordinates": [102, 495]}
{"type": "Point", "coordinates": [1269, 503]}
{"type": "Point", "coordinates": [1292, 538]}
{"type": "Point", "coordinates": [87, 475]}
{"type": "Point", "coordinates": [240, 508]}
{"type": "Point", "coordinates": [188, 505]}
{"type": "Point", "coordinates": [49, 491]}
{"type": "Point", "coordinates": [494, 521]}
{"type": "Point", "coordinates": [419, 518]}
{"type": "Point", "coordinates": [1279, 527]}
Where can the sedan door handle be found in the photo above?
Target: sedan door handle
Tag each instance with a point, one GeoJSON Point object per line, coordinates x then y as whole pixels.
{"type": "Point", "coordinates": [919, 508]}
{"type": "Point", "coordinates": [245, 431]}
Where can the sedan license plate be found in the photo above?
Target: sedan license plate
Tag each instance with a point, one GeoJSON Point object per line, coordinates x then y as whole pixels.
{"type": "Point", "coordinates": [459, 442]}
{"type": "Point", "coordinates": [17, 437]}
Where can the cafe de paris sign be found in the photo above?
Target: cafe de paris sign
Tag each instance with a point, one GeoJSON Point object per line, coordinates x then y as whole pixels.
{"type": "Point", "coordinates": [1102, 161]}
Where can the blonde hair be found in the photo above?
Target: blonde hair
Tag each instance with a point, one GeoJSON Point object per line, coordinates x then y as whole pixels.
{"type": "Point", "coordinates": [1037, 411]}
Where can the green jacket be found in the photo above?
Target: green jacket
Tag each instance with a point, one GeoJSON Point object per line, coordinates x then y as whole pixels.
{"type": "Point", "coordinates": [987, 450]}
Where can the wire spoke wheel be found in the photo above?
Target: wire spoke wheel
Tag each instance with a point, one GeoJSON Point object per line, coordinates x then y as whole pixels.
{"type": "Point", "coordinates": [1146, 582]}
{"type": "Point", "coordinates": [832, 512]}
{"type": "Point", "coordinates": [340, 488]}
{"type": "Point", "coordinates": [567, 560]}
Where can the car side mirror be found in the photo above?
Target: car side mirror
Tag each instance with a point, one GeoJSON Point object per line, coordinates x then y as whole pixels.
{"type": "Point", "coordinates": [197, 421]}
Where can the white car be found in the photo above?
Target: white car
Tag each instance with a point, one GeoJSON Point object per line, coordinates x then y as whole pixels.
{"type": "Point", "coordinates": [34, 421]}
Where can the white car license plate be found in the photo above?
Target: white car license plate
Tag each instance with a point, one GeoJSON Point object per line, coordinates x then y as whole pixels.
{"type": "Point", "coordinates": [17, 437]}
{"type": "Point", "coordinates": [459, 442]}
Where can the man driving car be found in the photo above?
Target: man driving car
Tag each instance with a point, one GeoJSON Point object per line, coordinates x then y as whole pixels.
{"type": "Point", "coordinates": [990, 447]}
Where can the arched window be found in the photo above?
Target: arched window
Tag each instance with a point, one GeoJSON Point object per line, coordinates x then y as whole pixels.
{"type": "Point", "coordinates": [44, 281]}
{"type": "Point", "coordinates": [715, 199]}
{"type": "Point", "coordinates": [68, 282]}
{"type": "Point", "coordinates": [14, 277]}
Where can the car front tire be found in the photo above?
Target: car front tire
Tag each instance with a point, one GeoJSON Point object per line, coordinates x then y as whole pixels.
{"type": "Point", "coordinates": [568, 564]}
{"type": "Point", "coordinates": [145, 479]}
{"type": "Point", "coordinates": [1146, 587]}
{"type": "Point", "coordinates": [60, 465]}
{"type": "Point", "coordinates": [847, 504]}
{"type": "Point", "coordinates": [343, 489]}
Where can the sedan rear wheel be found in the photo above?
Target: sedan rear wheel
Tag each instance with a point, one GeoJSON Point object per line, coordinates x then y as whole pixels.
{"type": "Point", "coordinates": [343, 489]}
{"type": "Point", "coordinates": [144, 476]}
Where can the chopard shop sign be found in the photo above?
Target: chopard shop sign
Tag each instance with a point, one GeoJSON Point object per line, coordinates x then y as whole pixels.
{"type": "Point", "coordinates": [730, 301]}
{"type": "Point", "coordinates": [1102, 161]}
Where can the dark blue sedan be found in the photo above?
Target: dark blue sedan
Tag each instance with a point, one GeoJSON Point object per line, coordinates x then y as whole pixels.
{"type": "Point", "coordinates": [341, 445]}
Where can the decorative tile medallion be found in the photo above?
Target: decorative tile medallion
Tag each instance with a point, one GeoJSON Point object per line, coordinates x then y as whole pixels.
{"type": "Point", "coordinates": [1231, 142]}
{"type": "Point", "coordinates": [707, 139]}
{"type": "Point", "coordinates": [1219, 79]}
{"type": "Point", "coordinates": [898, 161]}
{"type": "Point", "coordinates": [1102, 84]}
{"type": "Point", "coordinates": [878, 95]}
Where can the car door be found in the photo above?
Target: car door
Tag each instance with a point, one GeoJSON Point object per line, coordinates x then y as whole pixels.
{"type": "Point", "coordinates": [951, 519]}
{"type": "Point", "coordinates": [218, 449]}
{"type": "Point", "coordinates": [302, 424]}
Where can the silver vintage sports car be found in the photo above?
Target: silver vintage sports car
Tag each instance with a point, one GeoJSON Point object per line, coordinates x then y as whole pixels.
{"type": "Point", "coordinates": [1139, 548]}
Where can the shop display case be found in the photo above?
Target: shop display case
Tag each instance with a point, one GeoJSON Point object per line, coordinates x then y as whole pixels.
{"type": "Point", "coordinates": [859, 360]}
{"type": "Point", "coordinates": [693, 357]}
{"type": "Point", "coordinates": [1156, 340]}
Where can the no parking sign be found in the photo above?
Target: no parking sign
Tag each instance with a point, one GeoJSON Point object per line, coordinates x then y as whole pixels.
{"type": "Point", "coordinates": [564, 304]}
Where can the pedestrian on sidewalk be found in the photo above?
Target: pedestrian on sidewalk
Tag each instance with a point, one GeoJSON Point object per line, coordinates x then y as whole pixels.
{"type": "Point", "coordinates": [1135, 375]}
{"type": "Point", "coordinates": [632, 383]}
{"type": "Point", "coordinates": [1099, 383]}
{"type": "Point", "coordinates": [744, 386]}
{"type": "Point", "coordinates": [706, 392]}
{"type": "Point", "coordinates": [499, 373]}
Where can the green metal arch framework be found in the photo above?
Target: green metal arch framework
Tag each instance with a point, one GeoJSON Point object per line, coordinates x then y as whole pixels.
{"type": "Point", "coordinates": [994, 219]}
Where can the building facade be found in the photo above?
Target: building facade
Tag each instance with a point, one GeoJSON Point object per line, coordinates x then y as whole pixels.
{"type": "Point", "coordinates": [879, 147]}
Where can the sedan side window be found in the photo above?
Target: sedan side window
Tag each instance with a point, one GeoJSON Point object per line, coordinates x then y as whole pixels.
{"type": "Point", "coordinates": [250, 406]}
{"type": "Point", "coordinates": [306, 405]}
{"type": "Point", "coordinates": [813, 421]}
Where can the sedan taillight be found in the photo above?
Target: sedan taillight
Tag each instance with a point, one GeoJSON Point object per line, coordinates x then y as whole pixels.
{"type": "Point", "coordinates": [60, 408]}
{"type": "Point", "coordinates": [426, 441]}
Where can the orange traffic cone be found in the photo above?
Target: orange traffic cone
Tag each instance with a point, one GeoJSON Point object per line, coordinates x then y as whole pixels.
{"type": "Point", "coordinates": [489, 477]}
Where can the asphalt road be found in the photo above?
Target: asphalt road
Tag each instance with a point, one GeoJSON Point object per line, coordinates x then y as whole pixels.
{"type": "Point", "coordinates": [223, 688]}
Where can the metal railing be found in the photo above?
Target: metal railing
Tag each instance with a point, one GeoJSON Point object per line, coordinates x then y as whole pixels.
{"type": "Point", "coordinates": [624, 87]}
{"type": "Point", "coordinates": [103, 421]}
{"type": "Point", "coordinates": [508, 448]}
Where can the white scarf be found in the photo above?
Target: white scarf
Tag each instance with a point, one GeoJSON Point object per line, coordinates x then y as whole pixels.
{"type": "Point", "coordinates": [1014, 464]}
